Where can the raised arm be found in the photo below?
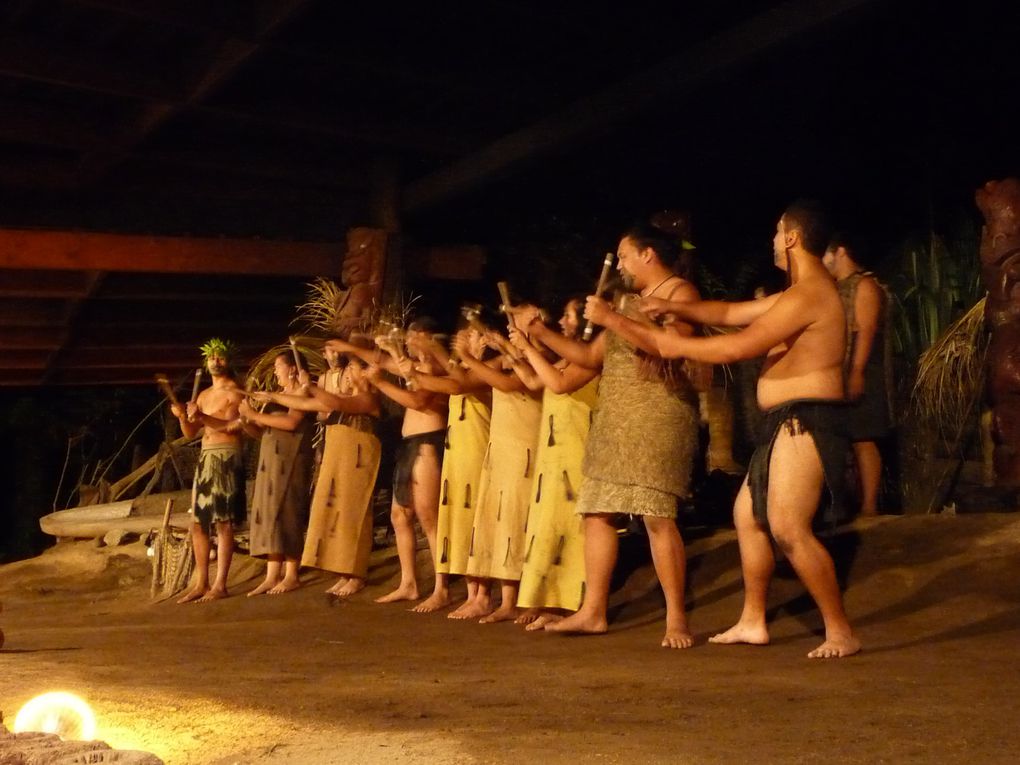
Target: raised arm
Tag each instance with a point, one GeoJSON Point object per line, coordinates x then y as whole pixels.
{"type": "Point", "coordinates": [565, 379]}
{"type": "Point", "coordinates": [790, 314]}
{"type": "Point", "coordinates": [289, 420]}
{"type": "Point", "coordinates": [409, 399]}
{"type": "Point", "coordinates": [714, 313]}
{"type": "Point", "coordinates": [583, 354]}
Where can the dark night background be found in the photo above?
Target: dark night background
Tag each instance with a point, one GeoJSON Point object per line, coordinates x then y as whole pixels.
{"type": "Point", "coordinates": [892, 116]}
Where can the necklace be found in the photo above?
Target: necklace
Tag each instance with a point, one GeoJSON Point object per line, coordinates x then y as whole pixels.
{"type": "Point", "coordinates": [656, 287]}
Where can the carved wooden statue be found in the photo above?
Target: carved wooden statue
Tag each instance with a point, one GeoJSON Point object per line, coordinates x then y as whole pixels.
{"type": "Point", "coordinates": [362, 274]}
{"type": "Point", "coordinates": [999, 202]}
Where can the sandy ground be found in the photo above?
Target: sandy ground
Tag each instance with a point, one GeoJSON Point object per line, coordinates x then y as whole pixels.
{"type": "Point", "coordinates": [290, 679]}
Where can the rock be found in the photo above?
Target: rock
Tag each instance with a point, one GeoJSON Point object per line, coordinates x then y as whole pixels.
{"type": "Point", "coordinates": [47, 749]}
{"type": "Point", "coordinates": [117, 537]}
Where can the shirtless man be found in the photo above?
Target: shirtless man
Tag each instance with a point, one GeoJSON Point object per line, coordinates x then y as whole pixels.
{"type": "Point", "coordinates": [218, 496]}
{"type": "Point", "coordinates": [417, 470]}
{"type": "Point", "coordinates": [801, 332]}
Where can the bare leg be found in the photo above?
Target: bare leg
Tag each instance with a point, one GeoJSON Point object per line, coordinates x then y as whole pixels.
{"type": "Point", "coordinates": [273, 567]}
{"type": "Point", "coordinates": [425, 496]}
{"type": "Point", "coordinates": [480, 606]}
{"type": "Point", "coordinates": [757, 564]}
{"type": "Point", "coordinates": [290, 579]}
{"type": "Point", "coordinates": [200, 546]}
{"type": "Point", "coordinates": [600, 550]}
{"type": "Point", "coordinates": [671, 567]}
{"type": "Point", "coordinates": [507, 610]}
{"type": "Point", "coordinates": [795, 486]}
{"type": "Point", "coordinates": [869, 469]}
{"type": "Point", "coordinates": [224, 554]}
{"type": "Point", "coordinates": [403, 527]}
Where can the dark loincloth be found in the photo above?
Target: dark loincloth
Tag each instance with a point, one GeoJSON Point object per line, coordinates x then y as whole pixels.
{"type": "Point", "coordinates": [825, 422]}
{"type": "Point", "coordinates": [407, 454]}
{"type": "Point", "coordinates": [218, 495]}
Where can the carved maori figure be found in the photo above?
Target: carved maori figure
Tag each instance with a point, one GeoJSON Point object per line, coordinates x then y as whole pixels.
{"type": "Point", "coordinates": [999, 202]}
{"type": "Point", "coordinates": [362, 274]}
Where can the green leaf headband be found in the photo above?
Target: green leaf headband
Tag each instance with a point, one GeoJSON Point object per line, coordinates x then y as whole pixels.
{"type": "Point", "coordinates": [217, 347]}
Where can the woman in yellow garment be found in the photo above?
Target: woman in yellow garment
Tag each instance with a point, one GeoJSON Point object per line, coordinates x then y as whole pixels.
{"type": "Point", "coordinates": [467, 435]}
{"type": "Point", "coordinates": [496, 551]}
{"type": "Point", "coordinates": [552, 583]}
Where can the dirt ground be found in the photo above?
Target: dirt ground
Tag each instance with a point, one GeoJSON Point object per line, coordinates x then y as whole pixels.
{"type": "Point", "coordinates": [290, 679]}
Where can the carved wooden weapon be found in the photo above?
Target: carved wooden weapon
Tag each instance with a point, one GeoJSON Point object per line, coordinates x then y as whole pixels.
{"type": "Point", "coordinates": [164, 384]}
{"type": "Point", "coordinates": [607, 266]}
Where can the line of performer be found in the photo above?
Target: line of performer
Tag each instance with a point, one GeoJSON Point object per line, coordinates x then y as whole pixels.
{"type": "Point", "coordinates": [523, 453]}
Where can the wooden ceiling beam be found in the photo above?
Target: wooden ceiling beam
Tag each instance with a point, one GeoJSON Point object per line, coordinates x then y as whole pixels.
{"type": "Point", "coordinates": [85, 251]}
{"type": "Point", "coordinates": [80, 69]}
{"type": "Point", "coordinates": [629, 98]}
{"type": "Point", "coordinates": [43, 338]}
{"type": "Point", "coordinates": [219, 67]}
{"type": "Point", "coordinates": [43, 284]}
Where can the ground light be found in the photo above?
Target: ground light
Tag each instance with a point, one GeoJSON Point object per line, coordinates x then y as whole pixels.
{"type": "Point", "coordinates": [57, 712]}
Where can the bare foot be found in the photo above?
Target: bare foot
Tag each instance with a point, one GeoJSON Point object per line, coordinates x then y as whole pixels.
{"type": "Point", "coordinates": [403, 592]}
{"type": "Point", "coordinates": [285, 585]}
{"type": "Point", "coordinates": [473, 609]}
{"type": "Point", "coordinates": [677, 638]}
{"type": "Point", "coordinates": [544, 619]}
{"type": "Point", "coordinates": [741, 633]}
{"type": "Point", "coordinates": [501, 614]}
{"type": "Point", "coordinates": [432, 603]}
{"type": "Point", "coordinates": [266, 586]}
{"type": "Point", "coordinates": [529, 616]}
{"type": "Point", "coordinates": [214, 593]}
{"type": "Point", "coordinates": [351, 586]}
{"type": "Point", "coordinates": [836, 648]}
{"type": "Point", "coordinates": [580, 623]}
{"type": "Point", "coordinates": [192, 595]}
{"type": "Point", "coordinates": [338, 585]}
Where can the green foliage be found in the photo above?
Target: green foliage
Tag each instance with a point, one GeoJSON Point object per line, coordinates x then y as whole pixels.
{"type": "Point", "coordinates": [937, 281]}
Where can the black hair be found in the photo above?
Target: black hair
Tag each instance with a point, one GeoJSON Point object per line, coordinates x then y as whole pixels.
{"type": "Point", "coordinates": [423, 324]}
{"type": "Point", "coordinates": [810, 218]}
{"type": "Point", "coordinates": [647, 236]}
{"type": "Point", "coordinates": [853, 245]}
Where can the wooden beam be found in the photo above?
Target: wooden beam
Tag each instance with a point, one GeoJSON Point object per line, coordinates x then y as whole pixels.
{"type": "Point", "coordinates": [72, 312]}
{"type": "Point", "coordinates": [228, 58]}
{"type": "Point", "coordinates": [631, 97]}
{"type": "Point", "coordinates": [172, 336]}
{"type": "Point", "coordinates": [83, 251]}
{"type": "Point", "coordinates": [43, 284]}
{"type": "Point", "coordinates": [44, 338]}
{"type": "Point", "coordinates": [80, 69]}
{"type": "Point", "coordinates": [24, 358]}
{"type": "Point", "coordinates": [31, 313]}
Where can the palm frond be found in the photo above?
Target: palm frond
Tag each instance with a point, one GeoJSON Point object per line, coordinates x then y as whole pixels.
{"type": "Point", "coordinates": [951, 375]}
{"type": "Point", "coordinates": [261, 376]}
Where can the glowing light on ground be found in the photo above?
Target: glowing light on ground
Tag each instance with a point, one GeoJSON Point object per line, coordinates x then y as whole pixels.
{"type": "Point", "coordinates": [57, 712]}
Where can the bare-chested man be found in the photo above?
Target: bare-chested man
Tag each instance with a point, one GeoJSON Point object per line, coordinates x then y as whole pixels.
{"type": "Point", "coordinates": [418, 464]}
{"type": "Point", "coordinates": [801, 332]}
{"type": "Point", "coordinates": [218, 496]}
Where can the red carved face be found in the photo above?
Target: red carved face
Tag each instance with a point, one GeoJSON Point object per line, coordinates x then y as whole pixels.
{"type": "Point", "coordinates": [999, 202]}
